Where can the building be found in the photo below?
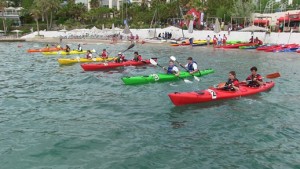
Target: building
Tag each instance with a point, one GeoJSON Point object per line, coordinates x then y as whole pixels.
{"type": "Point", "coordinates": [111, 3]}
{"type": "Point", "coordinates": [12, 13]}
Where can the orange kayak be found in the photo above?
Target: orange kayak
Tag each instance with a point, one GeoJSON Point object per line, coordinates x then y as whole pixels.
{"type": "Point", "coordinates": [45, 50]}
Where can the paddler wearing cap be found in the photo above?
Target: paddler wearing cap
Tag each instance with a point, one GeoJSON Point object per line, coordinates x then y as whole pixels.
{"type": "Point", "coordinates": [104, 54]}
{"type": "Point", "coordinates": [191, 66]}
{"type": "Point", "coordinates": [120, 58]}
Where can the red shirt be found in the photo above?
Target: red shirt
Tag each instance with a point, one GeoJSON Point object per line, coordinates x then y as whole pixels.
{"type": "Point", "coordinates": [104, 54]}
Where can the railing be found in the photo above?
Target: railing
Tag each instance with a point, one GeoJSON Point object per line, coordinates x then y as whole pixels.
{"type": "Point", "coordinates": [10, 13]}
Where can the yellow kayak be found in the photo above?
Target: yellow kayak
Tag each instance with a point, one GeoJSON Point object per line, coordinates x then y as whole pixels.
{"type": "Point", "coordinates": [82, 60]}
{"type": "Point", "coordinates": [72, 52]}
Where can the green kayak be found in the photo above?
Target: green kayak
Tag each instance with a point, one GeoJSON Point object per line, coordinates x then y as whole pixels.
{"type": "Point", "coordinates": [161, 77]}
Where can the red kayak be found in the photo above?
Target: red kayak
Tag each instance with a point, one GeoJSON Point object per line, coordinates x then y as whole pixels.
{"type": "Point", "coordinates": [213, 94]}
{"type": "Point", "coordinates": [110, 65]}
{"type": "Point", "coordinates": [266, 47]}
{"type": "Point", "coordinates": [45, 50]}
{"type": "Point", "coordinates": [236, 45]}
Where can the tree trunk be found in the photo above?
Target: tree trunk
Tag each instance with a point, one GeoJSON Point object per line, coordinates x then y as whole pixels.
{"type": "Point", "coordinates": [47, 21]}
{"type": "Point", "coordinates": [51, 19]}
{"type": "Point", "coordinates": [37, 26]}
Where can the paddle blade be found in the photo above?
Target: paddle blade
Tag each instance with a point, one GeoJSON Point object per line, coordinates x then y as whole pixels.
{"type": "Point", "coordinates": [173, 58]}
{"type": "Point", "coordinates": [197, 78]}
{"type": "Point", "coordinates": [153, 62]}
{"type": "Point", "coordinates": [187, 81]}
{"type": "Point", "coordinates": [273, 75]}
{"type": "Point", "coordinates": [131, 46]}
{"type": "Point", "coordinates": [221, 85]}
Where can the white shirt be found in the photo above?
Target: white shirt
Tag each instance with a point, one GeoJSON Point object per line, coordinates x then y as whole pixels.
{"type": "Point", "coordinates": [194, 66]}
{"type": "Point", "coordinates": [208, 38]}
{"type": "Point", "coordinates": [219, 38]}
{"type": "Point", "coordinates": [79, 48]}
{"type": "Point", "coordinates": [175, 69]}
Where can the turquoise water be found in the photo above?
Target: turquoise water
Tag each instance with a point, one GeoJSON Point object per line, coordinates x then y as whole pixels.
{"type": "Point", "coordinates": [60, 117]}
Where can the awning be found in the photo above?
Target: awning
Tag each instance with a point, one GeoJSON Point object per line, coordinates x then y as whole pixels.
{"type": "Point", "coordinates": [261, 21]}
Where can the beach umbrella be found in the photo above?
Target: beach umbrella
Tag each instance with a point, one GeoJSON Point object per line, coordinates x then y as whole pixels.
{"type": "Point", "coordinates": [217, 28]}
{"type": "Point", "coordinates": [126, 30]}
{"type": "Point", "coordinates": [17, 31]}
{"type": "Point", "coordinates": [113, 28]}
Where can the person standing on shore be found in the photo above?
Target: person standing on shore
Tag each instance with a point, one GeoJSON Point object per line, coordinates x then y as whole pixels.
{"type": "Point", "coordinates": [224, 39]}
{"type": "Point", "coordinates": [208, 38]}
{"type": "Point", "coordinates": [191, 41]}
{"type": "Point", "coordinates": [219, 40]}
{"type": "Point", "coordinates": [215, 40]}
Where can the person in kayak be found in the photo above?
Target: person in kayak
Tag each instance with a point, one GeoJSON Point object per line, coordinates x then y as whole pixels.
{"type": "Point", "coordinates": [172, 69]}
{"type": "Point", "coordinates": [191, 66]}
{"type": "Point", "coordinates": [89, 54]}
{"type": "Point", "coordinates": [121, 58]}
{"type": "Point", "coordinates": [104, 54]}
{"type": "Point", "coordinates": [79, 48]}
{"type": "Point", "coordinates": [257, 41]}
{"type": "Point", "coordinates": [137, 57]}
{"type": "Point", "coordinates": [254, 79]}
{"type": "Point", "coordinates": [68, 49]}
{"type": "Point", "coordinates": [232, 84]}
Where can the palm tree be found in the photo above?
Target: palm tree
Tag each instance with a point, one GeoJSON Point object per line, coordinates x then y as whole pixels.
{"type": "Point", "coordinates": [36, 13]}
{"type": "Point", "coordinates": [53, 6]}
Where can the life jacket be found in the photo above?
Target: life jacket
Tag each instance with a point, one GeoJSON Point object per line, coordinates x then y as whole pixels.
{"type": "Point", "coordinates": [68, 49]}
{"type": "Point", "coordinates": [230, 83]}
{"type": "Point", "coordinates": [89, 56]}
{"type": "Point", "coordinates": [104, 54]}
{"type": "Point", "coordinates": [190, 66]}
{"type": "Point", "coordinates": [138, 58]}
{"type": "Point", "coordinates": [254, 83]}
{"type": "Point", "coordinates": [170, 69]}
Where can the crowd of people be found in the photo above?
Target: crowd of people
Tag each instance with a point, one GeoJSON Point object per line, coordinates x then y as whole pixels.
{"type": "Point", "coordinates": [165, 35]}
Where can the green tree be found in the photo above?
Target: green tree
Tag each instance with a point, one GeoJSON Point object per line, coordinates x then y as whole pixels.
{"type": "Point", "coordinates": [242, 8]}
{"type": "Point", "coordinates": [94, 4]}
{"type": "Point", "coordinates": [2, 6]}
{"type": "Point", "coordinates": [36, 14]}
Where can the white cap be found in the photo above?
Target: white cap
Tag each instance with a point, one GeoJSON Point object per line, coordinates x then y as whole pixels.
{"type": "Point", "coordinates": [119, 53]}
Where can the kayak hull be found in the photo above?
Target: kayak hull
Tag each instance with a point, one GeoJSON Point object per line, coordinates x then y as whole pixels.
{"type": "Point", "coordinates": [111, 65]}
{"type": "Point", "coordinates": [73, 52]}
{"type": "Point", "coordinates": [161, 77]}
{"type": "Point", "coordinates": [44, 50]}
{"type": "Point", "coordinates": [213, 94]}
{"type": "Point", "coordinates": [82, 60]}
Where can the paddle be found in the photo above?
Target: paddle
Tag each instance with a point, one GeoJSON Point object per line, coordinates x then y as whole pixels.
{"type": "Point", "coordinates": [174, 59]}
{"type": "Point", "coordinates": [156, 64]}
{"type": "Point", "coordinates": [273, 75]}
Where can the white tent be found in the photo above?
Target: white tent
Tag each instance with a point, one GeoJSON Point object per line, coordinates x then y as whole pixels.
{"type": "Point", "coordinates": [17, 31]}
{"type": "Point", "coordinates": [254, 29]}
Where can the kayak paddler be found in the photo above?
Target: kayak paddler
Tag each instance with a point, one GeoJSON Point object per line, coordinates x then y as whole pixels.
{"type": "Point", "coordinates": [104, 54]}
{"type": "Point", "coordinates": [232, 83]}
{"type": "Point", "coordinates": [254, 79]}
{"type": "Point", "coordinates": [191, 66]}
{"type": "Point", "coordinates": [137, 57]}
{"type": "Point", "coordinates": [89, 54]}
{"type": "Point", "coordinates": [68, 49]}
{"type": "Point", "coordinates": [172, 69]}
{"type": "Point", "coordinates": [121, 58]}
{"type": "Point", "coordinates": [79, 48]}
